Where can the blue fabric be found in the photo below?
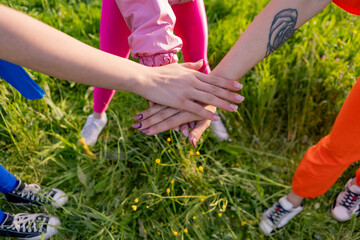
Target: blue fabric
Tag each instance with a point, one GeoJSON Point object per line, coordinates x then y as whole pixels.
{"type": "Point", "coordinates": [20, 80]}
{"type": "Point", "coordinates": [2, 217]}
{"type": "Point", "coordinates": [8, 182]}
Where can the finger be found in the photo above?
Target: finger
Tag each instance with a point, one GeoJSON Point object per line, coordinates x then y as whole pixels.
{"type": "Point", "coordinates": [200, 110]}
{"type": "Point", "coordinates": [192, 125]}
{"type": "Point", "coordinates": [184, 129]}
{"type": "Point", "coordinates": [198, 130]}
{"type": "Point", "coordinates": [149, 112]}
{"type": "Point", "coordinates": [193, 65]}
{"type": "Point", "coordinates": [220, 82]}
{"type": "Point", "coordinates": [210, 99]}
{"type": "Point", "coordinates": [172, 122]}
{"type": "Point", "coordinates": [220, 92]}
{"type": "Point", "coordinates": [158, 117]}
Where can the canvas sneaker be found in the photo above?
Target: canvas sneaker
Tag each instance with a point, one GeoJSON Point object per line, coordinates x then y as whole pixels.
{"type": "Point", "coordinates": [347, 203]}
{"type": "Point", "coordinates": [278, 216]}
{"type": "Point", "coordinates": [29, 226]}
{"type": "Point", "coordinates": [92, 129]}
{"type": "Point", "coordinates": [32, 194]}
{"type": "Point", "coordinates": [219, 130]}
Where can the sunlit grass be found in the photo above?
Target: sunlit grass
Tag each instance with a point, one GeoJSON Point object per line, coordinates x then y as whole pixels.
{"type": "Point", "coordinates": [160, 187]}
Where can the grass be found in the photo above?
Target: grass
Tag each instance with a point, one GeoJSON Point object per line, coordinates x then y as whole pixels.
{"type": "Point", "coordinates": [292, 99]}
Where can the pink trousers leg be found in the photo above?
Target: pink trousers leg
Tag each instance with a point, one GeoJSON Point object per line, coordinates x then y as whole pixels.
{"type": "Point", "coordinates": [114, 35]}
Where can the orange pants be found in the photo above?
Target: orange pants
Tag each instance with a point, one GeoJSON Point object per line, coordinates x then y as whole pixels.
{"type": "Point", "coordinates": [324, 162]}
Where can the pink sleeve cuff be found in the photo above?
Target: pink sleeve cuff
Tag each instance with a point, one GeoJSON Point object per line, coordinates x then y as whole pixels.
{"type": "Point", "coordinates": [159, 59]}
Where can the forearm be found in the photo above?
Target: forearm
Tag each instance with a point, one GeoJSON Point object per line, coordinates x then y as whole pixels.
{"type": "Point", "coordinates": [35, 45]}
{"type": "Point", "coordinates": [269, 30]}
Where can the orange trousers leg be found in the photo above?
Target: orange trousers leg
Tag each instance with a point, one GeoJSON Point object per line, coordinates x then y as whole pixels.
{"type": "Point", "coordinates": [324, 162]}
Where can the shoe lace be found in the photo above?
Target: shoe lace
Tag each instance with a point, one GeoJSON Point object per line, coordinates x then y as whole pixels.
{"type": "Point", "coordinates": [30, 192]}
{"type": "Point", "coordinates": [349, 199]}
{"type": "Point", "coordinates": [24, 222]}
{"type": "Point", "coordinates": [277, 213]}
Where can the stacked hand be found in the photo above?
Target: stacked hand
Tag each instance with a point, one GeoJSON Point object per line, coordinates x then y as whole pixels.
{"type": "Point", "coordinates": [198, 101]}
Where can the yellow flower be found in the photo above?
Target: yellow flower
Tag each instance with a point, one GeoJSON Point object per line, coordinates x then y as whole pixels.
{"type": "Point", "coordinates": [158, 233]}
{"type": "Point", "coordinates": [169, 139]}
{"type": "Point", "coordinates": [191, 152]}
{"type": "Point", "coordinates": [158, 161]}
{"type": "Point", "coordinates": [112, 227]}
{"type": "Point", "coordinates": [201, 199]}
{"type": "Point", "coordinates": [339, 40]}
{"type": "Point", "coordinates": [185, 230]}
{"type": "Point", "coordinates": [243, 223]}
{"type": "Point", "coordinates": [194, 217]}
{"type": "Point", "coordinates": [134, 207]}
{"type": "Point", "coordinates": [201, 169]}
{"type": "Point", "coordinates": [197, 153]}
{"type": "Point", "coordinates": [223, 207]}
{"type": "Point", "coordinates": [220, 214]}
{"type": "Point", "coordinates": [168, 190]}
{"type": "Point", "coordinates": [145, 231]}
{"type": "Point", "coordinates": [136, 200]}
{"type": "Point", "coordinates": [169, 151]}
{"type": "Point", "coordinates": [175, 233]}
{"type": "Point", "coordinates": [355, 32]}
{"type": "Point", "coordinates": [172, 181]}
{"type": "Point", "coordinates": [237, 164]}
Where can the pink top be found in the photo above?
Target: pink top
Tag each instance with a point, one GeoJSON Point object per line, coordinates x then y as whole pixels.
{"type": "Point", "coordinates": [151, 23]}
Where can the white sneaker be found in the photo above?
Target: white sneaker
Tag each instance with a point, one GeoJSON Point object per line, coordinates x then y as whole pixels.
{"type": "Point", "coordinates": [347, 203]}
{"type": "Point", "coordinates": [219, 130]}
{"type": "Point", "coordinates": [278, 216]}
{"type": "Point", "coordinates": [92, 129]}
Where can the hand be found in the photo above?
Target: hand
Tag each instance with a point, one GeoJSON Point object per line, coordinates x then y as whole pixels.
{"type": "Point", "coordinates": [184, 89]}
{"type": "Point", "coordinates": [159, 118]}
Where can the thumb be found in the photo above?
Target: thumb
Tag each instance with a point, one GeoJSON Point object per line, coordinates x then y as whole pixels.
{"type": "Point", "coordinates": [193, 65]}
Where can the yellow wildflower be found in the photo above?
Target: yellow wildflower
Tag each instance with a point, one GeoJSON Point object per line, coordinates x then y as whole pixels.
{"type": "Point", "coordinates": [339, 40]}
{"type": "Point", "coordinates": [158, 233]}
{"type": "Point", "coordinates": [355, 32]}
{"type": "Point", "coordinates": [185, 230]}
{"type": "Point", "coordinates": [223, 207]}
{"type": "Point", "coordinates": [169, 151]}
{"type": "Point", "coordinates": [169, 139]}
{"type": "Point", "coordinates": [158, 161]}
{"type": "Point", "coordinates": [168, 190]}
{"type": "Point", "coordinates": [134, 207]}
{"type": "Point", "coordinates": [197, 153]}
{"type": "Point", "coordinates": [175, 233]}
{"type": "Point", "coordinates": [172, 181]}
{"type": "Point", "coordinates": [136, 200]}
{"type": "Point", "coordinates": [201, 169]}
{"type": "Point", "coordinates": [191, 152]}
{"type": "Point", "coordinates": [243, 223]}
{"type": "Point", "coordinates": [194, 217]}
{"type": "Point", "coordinates": [201, 199]}
{"type": "Point", "coordinates": [220, 214]}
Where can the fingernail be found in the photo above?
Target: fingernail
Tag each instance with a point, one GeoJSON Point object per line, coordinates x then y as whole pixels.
{"type": "Point", "coordinates": [146, 131]}
{"type": "Point", "coordinates": [216, 118]}
{"type": "Point", "coordinates": [137, 125]}
{"type": "Point", "coordinates": [193, 142]}
{"type": "Point", "coordinates": [239, 98]}
{"type": "Point", "coordinates": [233, 107]}
{"type": "Point", "coordinates": [238, 85]}
{"type": "Point", "coordinates": [185, 132]}
{"type": "Point", "coordinates": [138, 117]}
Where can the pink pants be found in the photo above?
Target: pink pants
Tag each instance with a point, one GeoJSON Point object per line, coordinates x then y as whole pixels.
{"type": "Point", "coordinates": [191, 27]}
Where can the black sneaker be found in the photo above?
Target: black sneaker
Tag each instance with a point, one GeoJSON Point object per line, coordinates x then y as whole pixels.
{"type": "Point", "coordinates": [29, 226]}
{"type": "Point", "coordinates": [31, 194]}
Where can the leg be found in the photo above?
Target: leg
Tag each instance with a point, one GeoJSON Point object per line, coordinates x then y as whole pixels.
{"type": "Point", "coordinates": [113, 39]}
{"type": "Point", "coordinates": [191, 27]}
{"type": "Point", "coordinates": [331, 156]}
{"type": "Point", "coordinates": [8, 182]}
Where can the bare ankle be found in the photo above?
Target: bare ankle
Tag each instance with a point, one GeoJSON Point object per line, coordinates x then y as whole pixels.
{"type": "Point", "coordinates": [295, 199]}
{"type": "Point", "coordinates": [98, 115]}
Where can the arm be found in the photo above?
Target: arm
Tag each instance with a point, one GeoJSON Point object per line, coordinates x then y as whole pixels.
{"type": "Point", "coordinates": [269, 30]}
{"type": "Point", "coordinates": [33, 44]}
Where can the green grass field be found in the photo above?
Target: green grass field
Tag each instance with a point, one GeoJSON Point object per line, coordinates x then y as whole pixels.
{"type": "Point", "coordinates": [292, 99]}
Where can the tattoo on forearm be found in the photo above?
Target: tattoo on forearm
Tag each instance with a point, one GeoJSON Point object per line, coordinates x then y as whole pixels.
{"type": "Point", "coordinates": [282, 27]}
